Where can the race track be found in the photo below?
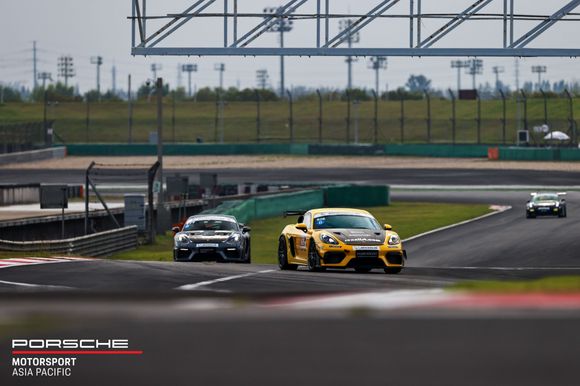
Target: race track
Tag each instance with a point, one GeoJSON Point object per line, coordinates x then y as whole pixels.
{"type": "Point", "coordinates": [195, 319]}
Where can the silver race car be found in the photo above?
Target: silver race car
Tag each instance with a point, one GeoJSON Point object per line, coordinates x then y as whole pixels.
{"type": "Point", "coordinates": [212, 238]}
{"type": "Point", "coordinates": [546, 204]}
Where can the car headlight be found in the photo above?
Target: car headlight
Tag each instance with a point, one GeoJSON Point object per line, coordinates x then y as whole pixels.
{"type": "Point", "coordinates": [557, 204]}
{"type": "Point", "coordinates": [394, 240]}
{"type": "Point", "coordinates": [327, 239]}
{"type": "Point", "coordinates": [181, 239]}
{"type": "Point", "coordinates": [234, 238]}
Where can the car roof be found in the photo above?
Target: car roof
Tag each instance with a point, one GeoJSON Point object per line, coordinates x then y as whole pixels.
{"type": "Point", "coordinates": [339, 210]}
{"type": "Point", "coordinates": [212, 217]}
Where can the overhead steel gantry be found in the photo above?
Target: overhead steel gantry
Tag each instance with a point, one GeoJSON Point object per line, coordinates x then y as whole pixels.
{"type": "Point", "coordinates": [236, 43]}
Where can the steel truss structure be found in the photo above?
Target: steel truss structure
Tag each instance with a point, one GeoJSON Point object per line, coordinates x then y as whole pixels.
{"type": "Point", "coordinates": [238, 43]}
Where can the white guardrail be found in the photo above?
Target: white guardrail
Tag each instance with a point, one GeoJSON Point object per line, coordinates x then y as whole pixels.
{"type": "Point", "coordinates": [95, 245]}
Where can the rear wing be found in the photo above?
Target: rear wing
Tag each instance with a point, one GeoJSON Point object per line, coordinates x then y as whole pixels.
{"type": "Point", "coordinates": [294, 213]}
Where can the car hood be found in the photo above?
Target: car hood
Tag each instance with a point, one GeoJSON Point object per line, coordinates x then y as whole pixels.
{"type": "Point", "coordinates": [208, 235]}
{"type": "Point", "coordinates": [359, 236]}
{"type": "Point", "coordinates": [544, 203]}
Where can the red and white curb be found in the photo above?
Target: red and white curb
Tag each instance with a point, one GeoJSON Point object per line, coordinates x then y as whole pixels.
{"type": "Point", "coordinates": [431, 299]}
{"type": "Point", "coordinates": [23, 261]}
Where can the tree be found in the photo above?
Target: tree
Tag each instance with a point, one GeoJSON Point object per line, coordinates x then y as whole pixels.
{"type": "Point", "coordinates": [9, 94]}
{"type": "Point", "coordinates": [57, 93]}
{"type": "Point", "coordinates": [357, 94]}
{"type": "Point", "coordinates": [401, 93]}
{"type": "Point", "coordinates": [418, 83]}
{"type": "Point", "coordinates": [147, 90]}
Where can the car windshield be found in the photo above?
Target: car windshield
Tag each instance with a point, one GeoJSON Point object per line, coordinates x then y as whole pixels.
{"type": "Point", "coordinates": [545, 197]}
{"type": "Point", "coordinates": [210, 225]}
{"type": "Point", "coordinates": [346, 221]}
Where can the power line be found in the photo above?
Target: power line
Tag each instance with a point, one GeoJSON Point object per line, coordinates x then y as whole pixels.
{"type": "Point", "coordinates": [98, 62]}
{"type": "Point", "coordinates": [262, 78]}
{"type": "Point", "coordinates": [66, 68]}
{"type": "Point", "coordinates": [281, 25]}
{"type": "Point", "coordinates": [345, 25]}
{"type": "Point", "coordinates": [221, 68]}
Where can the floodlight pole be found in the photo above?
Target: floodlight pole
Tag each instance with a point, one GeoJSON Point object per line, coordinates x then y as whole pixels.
{"type": "Point", "coordinates": [545, 97]}
{"type": "Point", "coordinates": [159, 89]}
{"type": "Point", "coordinates": [504, 116]}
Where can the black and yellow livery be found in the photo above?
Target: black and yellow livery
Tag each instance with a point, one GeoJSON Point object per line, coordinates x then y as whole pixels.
{"type": "Point", "coordinates": [340, 238]}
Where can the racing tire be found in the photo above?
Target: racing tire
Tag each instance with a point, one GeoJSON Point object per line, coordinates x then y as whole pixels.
{"type": "Point", "coordinates": [362, 269]}
{"type": "Point", "coordinates": [248, 259]}
{"type": "Point", "coordinates": [393, 271]}
{"type": "Point", "coordinates": [314, 259]}
{"type": "Point", "coordinates": [283, 256]}
{"type": "Point", "coordinates": [530, 215]}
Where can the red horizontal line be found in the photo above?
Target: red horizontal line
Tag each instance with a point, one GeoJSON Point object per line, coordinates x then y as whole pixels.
{"type": "Point", "coordinates": [77, 352]}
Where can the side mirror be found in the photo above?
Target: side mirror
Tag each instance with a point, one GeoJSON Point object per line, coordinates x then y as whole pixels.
{"type": "Point", "coordinates": [388, 227]}
{"type": "Point", "coordinates": [246, 229]}
{"type": "Point", "coordinates": [302, 227]}
{"type": "Point", "coordinates": [175, 230]}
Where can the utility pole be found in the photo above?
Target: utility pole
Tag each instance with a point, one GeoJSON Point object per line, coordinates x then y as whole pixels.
{"type": "Point", "coordinates": [474, 68]}
{"type": "Point", "coordinates": [262, 78]}
{"type": "Point", "coordinates": [497, 70]}
{"type": "Point", "coordinates": [221, 68]}
{"type": "Point", "coordinates": [459, 64]}
{"type": "Point", "coordinates": [98, 61]}
{"type": "Point", "coordinates": [378, 63]}
{"type": "Point", "coordinates": [539, 70]}
{"type": "Point", "coordinates": [155, 67]}
{"type": "Point", "coordinates": [114, 79]}
{"type": "Point", "coordinates": [189, 68]}
{"type": "Point", "coordinates": [517, 73]}
{"type": "Point", "coordinates": [179, 71]}
{"type": "Point", "coordinates": [518, 109]}
{"type": "Point", "coordinates": [34, 75]}
{"type": "Point", "coordinates": [160, 198]}
{"type": "Point", "coordinates": [281, 26]}
{"type": "Point", "coordinates": [130, 107]}
{"type": "Point", "coordinates": [65, 68]}
{"type": "Point", "coordinates": [352, 38]}
{"type": "Point", "coordinates": [44, 76]}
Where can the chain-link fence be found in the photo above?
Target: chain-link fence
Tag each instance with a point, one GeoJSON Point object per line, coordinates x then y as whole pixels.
{"type": "Point", "coordinates": [302, 121]}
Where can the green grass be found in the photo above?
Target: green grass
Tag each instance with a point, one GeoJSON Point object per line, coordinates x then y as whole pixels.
{"type": "Point", "coordinates": [407, 219]}
{"type": "Point", "coordinates": [108, 120]}
{"type": "Point", "coordinates": [548, 284]}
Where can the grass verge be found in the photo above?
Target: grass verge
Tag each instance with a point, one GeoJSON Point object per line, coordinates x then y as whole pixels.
{"type": "Point", "coordinates": [407, 218]}
{"type": "Point", "coordinates": [544, 285]}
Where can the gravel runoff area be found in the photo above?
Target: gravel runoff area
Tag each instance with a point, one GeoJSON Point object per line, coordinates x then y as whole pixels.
{"type": "Point", "coordinates": [283, 162]}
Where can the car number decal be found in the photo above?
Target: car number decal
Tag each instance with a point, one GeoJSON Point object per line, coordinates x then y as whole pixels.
{"type": "Point", "coordinates": [207, 245]}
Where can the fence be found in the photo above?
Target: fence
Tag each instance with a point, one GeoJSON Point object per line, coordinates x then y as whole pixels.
{"type": "Point", "coordinates": [419, 121]}
{"type": "Point", "coordinates": [21, 136]}
{"type": "Point", "coordinates": [95, 245]}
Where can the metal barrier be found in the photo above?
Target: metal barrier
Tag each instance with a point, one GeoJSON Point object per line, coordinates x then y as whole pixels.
{"type": "Point", "coordinates": [95, 245]}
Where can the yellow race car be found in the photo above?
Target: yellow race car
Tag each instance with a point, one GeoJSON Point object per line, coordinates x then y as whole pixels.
{"type": "Point", "coordinates": [339, 238]}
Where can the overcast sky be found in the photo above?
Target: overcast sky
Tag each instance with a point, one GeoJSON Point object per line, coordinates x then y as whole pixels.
{"type": "Point", "coordinates": [83, 28]}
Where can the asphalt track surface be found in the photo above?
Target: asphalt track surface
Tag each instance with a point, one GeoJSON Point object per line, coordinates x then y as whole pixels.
{"type": "Point", "coordinates": [193, 343]}
{"type": "Point", "coordinates": [318, 175]}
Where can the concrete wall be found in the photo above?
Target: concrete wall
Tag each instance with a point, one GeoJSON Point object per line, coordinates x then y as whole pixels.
{"type": "Point", "coordinates": [19, 194]}
{"type": "Point", "coordinates": [33, 155]}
